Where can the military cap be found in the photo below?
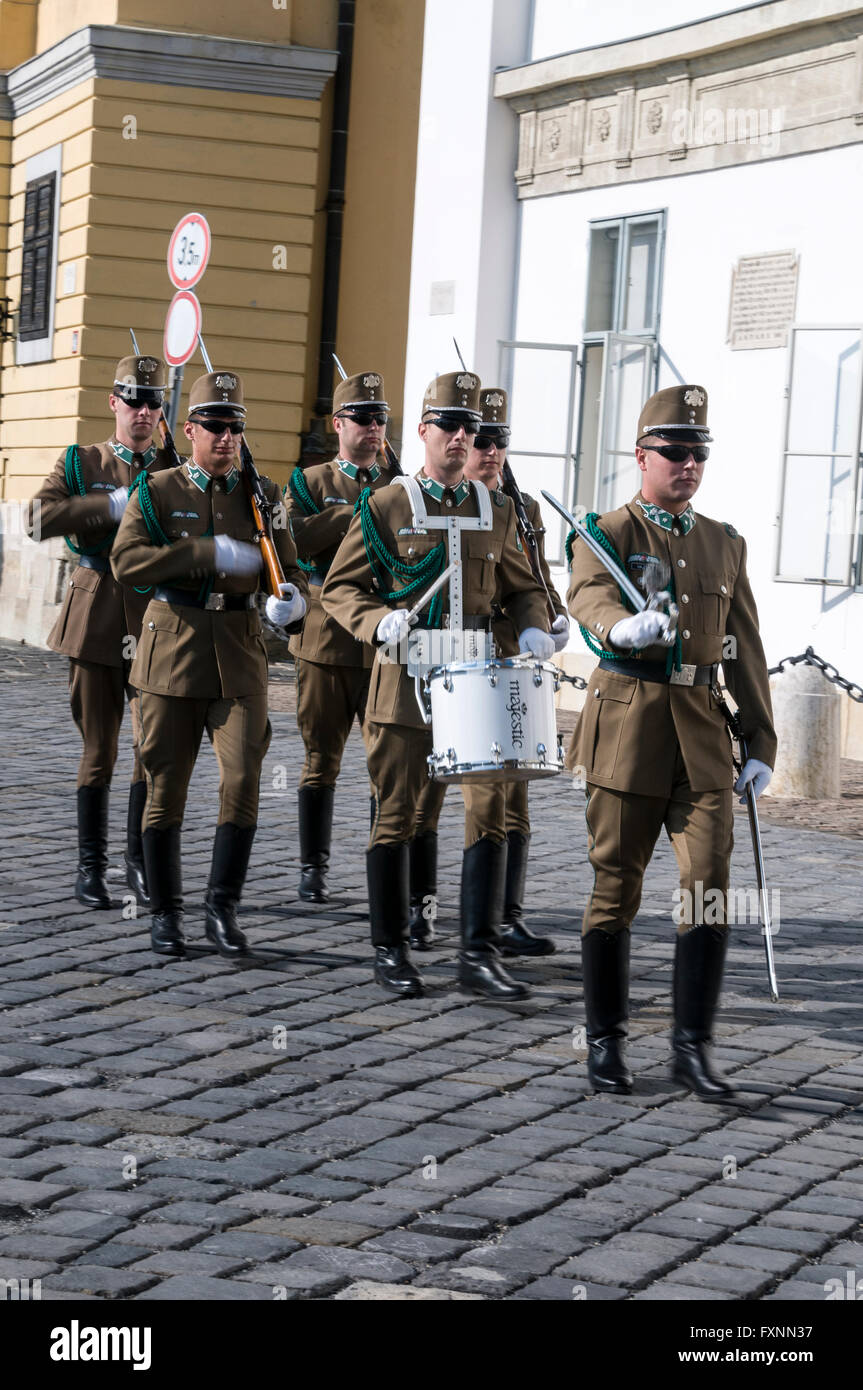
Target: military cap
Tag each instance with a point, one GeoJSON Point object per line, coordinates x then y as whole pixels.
{"type": "Point", "coordinates": [493, 406]}
{"type": "Point", "coordinates": [218, 391]}
{"type": "Point", "coordinates": [457, 393]}
{"type": "Point", "coordinates": [140, 380]}
{"type": "Point", "coordinates": [676, 413]}
{"type": "Point", "coordinates": [364, 389]}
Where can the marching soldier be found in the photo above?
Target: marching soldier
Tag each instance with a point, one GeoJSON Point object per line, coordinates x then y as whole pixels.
{"type": "Point", "coordinates": [83, 500]}
{"type": "Point", "coordinates": [652, 742]}
{"type": "Point", "coordinates": [484, 464]}
{"type": "Point", "coordinates": [333, 667]}
{"type": "Point", "coordinates": [390, 555]}
{"type": "Point", "coordinates": [201, 662]}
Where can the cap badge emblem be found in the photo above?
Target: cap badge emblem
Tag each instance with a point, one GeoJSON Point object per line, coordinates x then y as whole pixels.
{"type": "Point", "coordinates": [466, 382]}
{"type": "Point", "coordinates": [495, 399]}
{"type": "Point", "coordinates": [147, 364]}
{"type": "Point", "coordinates": [227, 383]}
{"type": "Point", "coordinates": [694, 396]}
{"type": "Point", "coordinates": [372, 379]}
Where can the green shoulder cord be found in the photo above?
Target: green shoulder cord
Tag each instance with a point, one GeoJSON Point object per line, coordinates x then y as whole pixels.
{"type": "Point", "coordinates": [75, 484]}
{"type": "Point", "coordinates": [386, 566]}
{"type": "Point", "coordinates": [592, 524]}
{"type": "Point", "coordinates": [157, 535]}
{"type": "Point", "coordinates": [299, 490]}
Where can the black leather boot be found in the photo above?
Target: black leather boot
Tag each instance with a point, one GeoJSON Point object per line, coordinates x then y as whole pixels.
{"type": "Point", "coordinates": [316, 825]}
{"type": "Point", "coordinates": [515, 938]}
{"type": "Point", "coordinates": [605, 968]}
{"type": "Point", "coordinates": [90, 886]}
{"type": "Point", "coordinates": [231, 850]}
{"type": "Point", "coordinates": [387, 874]}
{"type": "Point", "coordinates": [136, 877]}
{"type": "Point", "coordinates": [482, 882]}
{"type": "Point", "coordinates": [161, 849]}
{"type": "Point", "coordinates": [423, 890]}
{"type": "Point", "coordinates": [699, 959]}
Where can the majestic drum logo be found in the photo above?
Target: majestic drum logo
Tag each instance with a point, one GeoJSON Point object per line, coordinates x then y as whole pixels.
{"type": "Point", "coordinates": [516, 709]}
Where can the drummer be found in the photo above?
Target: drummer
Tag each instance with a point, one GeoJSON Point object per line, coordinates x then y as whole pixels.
{"type": "Point", "coordinates": [485, 461]}
{"type": "Point", "coordinates": [387, 560]}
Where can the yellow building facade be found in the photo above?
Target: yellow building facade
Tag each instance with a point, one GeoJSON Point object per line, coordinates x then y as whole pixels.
{"type": "Point", "coordinates": [145, 111]}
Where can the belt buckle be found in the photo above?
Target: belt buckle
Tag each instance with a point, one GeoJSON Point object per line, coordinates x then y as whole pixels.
{"type": "Point", "coordinates": [685, 676]}
{"type": "Point", "coordinates": [215, 603]}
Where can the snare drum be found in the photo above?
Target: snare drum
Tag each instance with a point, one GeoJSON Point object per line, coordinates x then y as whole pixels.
{"type": "Point", "coordinates": [494, 720]}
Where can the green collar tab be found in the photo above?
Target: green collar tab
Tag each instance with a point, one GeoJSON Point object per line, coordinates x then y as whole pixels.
{"type": "Point", "coordinates": [437, 490]}
{"type": "Point", "coordinates": [352, 470]}
{"type": "Point", "coordinates": [202, 479]}
{"type": "Point", "coordinates": [128, 455]}
{"type": "Point", "coordinates": [658, 515]}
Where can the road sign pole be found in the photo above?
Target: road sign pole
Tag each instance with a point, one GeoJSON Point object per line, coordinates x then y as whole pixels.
{"type": "Point", "coordinates": [176, 393]}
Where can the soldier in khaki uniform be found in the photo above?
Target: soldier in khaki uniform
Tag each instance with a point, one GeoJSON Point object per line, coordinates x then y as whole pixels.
{"type": "Point", "coordinates": [99, 623]}
{"type": "Point", "coordinates": [201, 662]}
{"type": "Point", "coordinates": [484, 464]}
{"type": "Point", "coordinates": [333, 667]}
{"type": "Point", "coordinates": [652, 741]}
{"type": "Point", "coordinates": [387, 559]}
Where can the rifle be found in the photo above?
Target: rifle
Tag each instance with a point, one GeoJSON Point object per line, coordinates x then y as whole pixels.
{"type": "Point", "coordinates": [526, 530]}
{"type": "Point", "coordinates": [262, 507]}
{"type": "Point", "coordinates": [164, 432]}
{"type": "Point", "coordinates": [389, 452]}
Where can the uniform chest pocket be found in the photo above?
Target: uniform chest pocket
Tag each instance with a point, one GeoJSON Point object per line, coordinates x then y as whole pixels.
{"type": "Point", "coordinates": [716, 594]}
{"type": "Point", "coordinates": [483, 551]}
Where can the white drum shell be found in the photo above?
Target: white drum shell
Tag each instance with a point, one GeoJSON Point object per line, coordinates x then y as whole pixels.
{"type": "Point", "coordinates": [494, 721]}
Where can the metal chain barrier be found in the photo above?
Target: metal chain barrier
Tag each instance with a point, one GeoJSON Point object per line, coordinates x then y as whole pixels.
{"type": "Point", "coordinates": [829, 672]}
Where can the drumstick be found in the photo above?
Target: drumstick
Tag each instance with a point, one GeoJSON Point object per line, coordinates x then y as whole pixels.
{"type": "Point", "coordinates": [430, 592]}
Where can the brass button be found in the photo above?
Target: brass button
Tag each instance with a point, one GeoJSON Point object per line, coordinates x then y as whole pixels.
{"type": "Point", "coordinates": [183, 535]}
{"type": "Point", "coordinates": [223, 574]}
{"type": "Point", "coordinates": [675, 531]}
{"type": "Point", "coordinates": [490, 555]}
{"type": "Point", "coordinates": [218, 516]}
{"type": "Point", "coordinates": [686, 632]}
{"type": "Point", "coordinates": [596, 693]}
{"type": "Point", "coordinates": [682, 564]}
{"type": "Point", "coordinates": [449, 501]}
{"type": "Point", "coordinates": [410, 550]}
{"type": "Point", "coordinates": [722, 589]}
{"type": "Point", "coordinates": [151, 626]}
{"type": "Point", "coordinates": [684, 598]}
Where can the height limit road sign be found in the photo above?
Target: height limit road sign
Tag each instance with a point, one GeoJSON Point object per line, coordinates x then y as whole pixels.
{"type": "Point", "coordinates": [189, 250]}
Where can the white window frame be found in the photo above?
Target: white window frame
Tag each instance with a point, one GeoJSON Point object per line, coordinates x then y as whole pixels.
{"type": "Point", "coordinates": [853, 577]}
{"type": "Point", "coordinates": [32, 350]}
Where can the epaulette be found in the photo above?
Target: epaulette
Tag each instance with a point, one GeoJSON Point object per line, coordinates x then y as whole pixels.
{"type": "Point", "coordinates": [731, 531]}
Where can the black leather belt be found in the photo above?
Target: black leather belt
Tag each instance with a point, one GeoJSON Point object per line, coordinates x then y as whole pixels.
{"type": "Point", "coordinates": [215, 603]}
{"type": "Point", "coordinates": [94, 562]}
{"type": "Point", "coordinates": [655, 671]}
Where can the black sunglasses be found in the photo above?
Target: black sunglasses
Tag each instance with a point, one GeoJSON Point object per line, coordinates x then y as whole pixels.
{"type": "Point", "coordinates": [219, 426]}
{"type": "Point", "coordinates": [492, 441]}
{"type": "Point", "coordinates": [137, 399]}
{"type": "Point", "coordinates": [363, 417]}
{"type": "Point", "coordinates": [679, 453]}
{"type": "Point", "coordinates": [451, 424]}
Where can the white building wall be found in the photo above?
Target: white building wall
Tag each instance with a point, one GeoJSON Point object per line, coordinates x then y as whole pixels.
{"type": "Point", "coordinates": [559, 26]}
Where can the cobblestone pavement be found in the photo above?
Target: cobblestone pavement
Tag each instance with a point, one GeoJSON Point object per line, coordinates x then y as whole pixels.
{"type": "Point", "coordinates": [277, 1129]}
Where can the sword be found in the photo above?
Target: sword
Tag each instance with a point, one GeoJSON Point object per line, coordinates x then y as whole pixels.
{"type": "Point", "coordinates": [733, 722]}
{"type": "Point", "coordinates": [635, 596]}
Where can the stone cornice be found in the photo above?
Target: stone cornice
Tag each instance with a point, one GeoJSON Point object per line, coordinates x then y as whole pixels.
{"type": "Point", "coordinates": [769, 81]}
{"type": "Point", "coordinates": [168, 58]}
{"type": "Point", "coordinates": [5, 103]}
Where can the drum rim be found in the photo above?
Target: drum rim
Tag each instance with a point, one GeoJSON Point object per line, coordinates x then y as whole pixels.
{"type": "Point", "coordinates": [504, 663]}
{"type": "Point", "coordinates": [555, 765]}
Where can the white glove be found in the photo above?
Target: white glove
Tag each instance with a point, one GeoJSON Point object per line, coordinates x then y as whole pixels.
{"type": "Point", "coordinates": [756, 773]}
{"type": "Point", "coordinates": [117, 502]}
{"type": "Point", "coordinates": [560, 632]}
{"type": "Point", "coordinates": [236, 557]}
{"type": "Point", "coordinates": [394, 626]}
{"type": "Point", "coordinates": [645, 629]}
{"type": "Point", "coordinates": [540, 643]}
{"type": "Point", "coordinates": [287, 609]}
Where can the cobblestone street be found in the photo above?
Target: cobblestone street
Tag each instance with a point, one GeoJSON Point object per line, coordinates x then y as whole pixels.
{"type": "Point", "coordinates": [278, 1129]}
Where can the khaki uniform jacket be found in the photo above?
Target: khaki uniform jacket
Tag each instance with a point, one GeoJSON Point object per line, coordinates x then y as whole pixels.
{"type": "Point", "coordinates": [193, 652]}
{"type": "Point", "coordinates": [630, 730]}
{"type": "Point", "coordinates": [504, 631]}
{"type": "Point", "coordinates": [317, 539]}
{"type": "Point", "coordinates": [492, 563]}
{"type": "Point", "coordinates": [97, 614]}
